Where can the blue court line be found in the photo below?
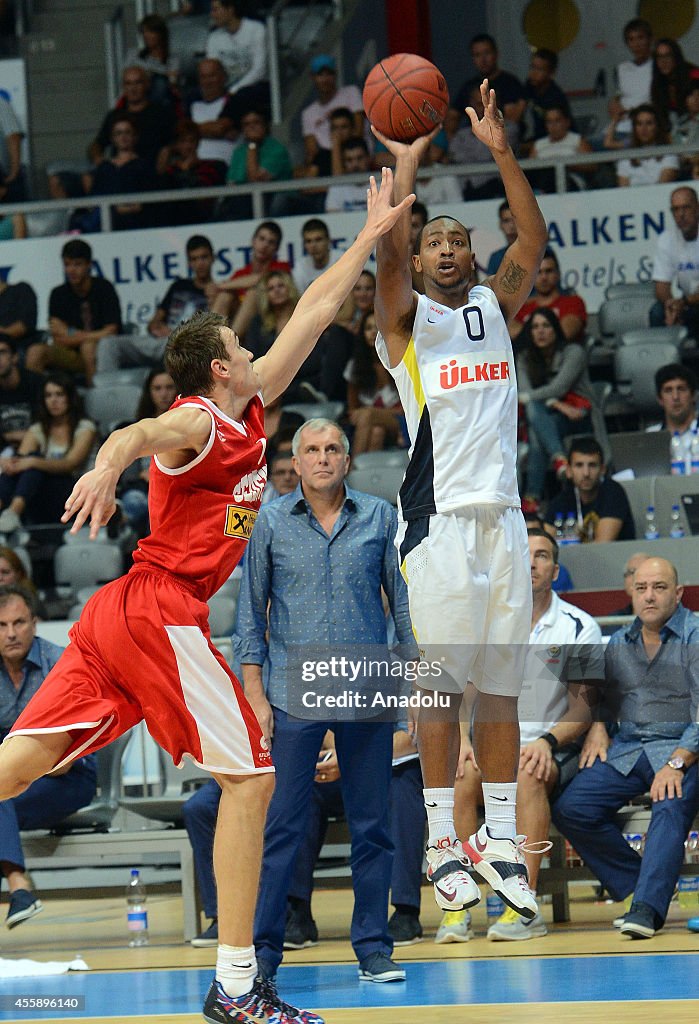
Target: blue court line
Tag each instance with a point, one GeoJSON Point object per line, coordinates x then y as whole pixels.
{"type": "Point", "coordinates": [616, 978]}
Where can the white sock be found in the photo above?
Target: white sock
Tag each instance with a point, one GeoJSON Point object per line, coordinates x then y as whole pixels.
{"type": "Point", "coordinates": [439, 804]}
{"type": "Point", "coordinates": [236, 969]}
{"type": "Point", "coordinates": [500, 809]}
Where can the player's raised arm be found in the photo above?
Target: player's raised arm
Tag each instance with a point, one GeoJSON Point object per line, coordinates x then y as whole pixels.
{"type": "Point", "coordinates": [513, 281]}
{"type": "Point", "coordinates": [324, 296]}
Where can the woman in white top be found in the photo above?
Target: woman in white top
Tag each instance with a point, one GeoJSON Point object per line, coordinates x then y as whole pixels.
{"type": "Point", "coordinates": [35, 483]}
{"type": "Point", "coordinates": [651, 170]}
{"type": "Point", "coordinates": [373, 402]}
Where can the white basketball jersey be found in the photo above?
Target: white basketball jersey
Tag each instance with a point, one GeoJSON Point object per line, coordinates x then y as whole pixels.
{"type": "Point", "coordinates": [459, 393]}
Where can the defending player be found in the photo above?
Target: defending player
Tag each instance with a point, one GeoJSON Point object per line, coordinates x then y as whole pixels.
{"type": "Point", "coordinates": [142, 647]}
{"type": "Point", "coordinates": [462, 540]}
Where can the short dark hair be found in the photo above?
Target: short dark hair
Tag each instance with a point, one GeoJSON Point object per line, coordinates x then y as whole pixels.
{"type": "Point", "coordinates": [7, 339]}
{"type": "Point", "coordinates": [483, 37]}
{"type": "Point", "coordinates": [675, 371]}
{"type": "Point", "coordinates": [638, 25]}
{"type": "Point", "coordinates": [549, 56]}
{"type": "Point", "coordinates": [316, 224]}
{"type": "Point", "coordinates": [354, 142]}
{"type": "Point", "coordinates": [587, 445]}
{"type": "Point", "coordinates": [190, 349]}
{"type": "Point", "coordinates": [538, 531]}
{"type": "Point", "coordinates": [269, 225]}
{"type": "Point", "coordinates": [421, 210]}
{"type": "Point", "coordinates": [441, 216]}
{"type": "Point", "coordinates": [76, 249]}
{"type": "Point", "coordinates": [11, 590]}
{"type": "Point", "coordinates": [549, 254]}
{"type": "Point", "coordinates": [505, 205]}
{"type": "Point", "coordinates": [198, 242]}
{"type": "Point", "coordinates": [342, 112]}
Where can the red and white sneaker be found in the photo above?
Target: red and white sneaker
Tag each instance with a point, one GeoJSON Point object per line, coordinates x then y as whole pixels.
{"type": "Point", "coordinates": [447, 869]}
{"type": "Point", "coordinates": [500, 862]}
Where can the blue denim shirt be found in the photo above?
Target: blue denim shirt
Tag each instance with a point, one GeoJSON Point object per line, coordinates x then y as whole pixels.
{"type": "Point", "coordinates": [322, 590]}
{"type": "Point", "coordinates": [656, 700]}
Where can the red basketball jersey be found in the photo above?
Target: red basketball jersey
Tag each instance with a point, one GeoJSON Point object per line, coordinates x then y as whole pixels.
{"type": "Point", "coordinates": [202, 515]}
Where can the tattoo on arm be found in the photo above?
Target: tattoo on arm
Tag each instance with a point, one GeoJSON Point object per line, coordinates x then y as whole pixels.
{"type": "Point", "coordinates": [511, 280]}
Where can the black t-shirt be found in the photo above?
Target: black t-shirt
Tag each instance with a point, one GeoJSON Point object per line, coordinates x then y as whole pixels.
{"type": "Point", "coordinates": [508, 89]}
{"type": "Point", "coordinates": [97, 309]}
{"type": "Point", "coordinates": [18, 302]}
{"type": "Point", "coordinates": [611, 501]}
{"type": "Point", "coordinates": [540, 102]}
{"type": "Point", "coordinates": [182, 300]}
{"type": "Point", "coordinates": [155, 125]}
{"type": "Point", "coordinates": [18, 406]}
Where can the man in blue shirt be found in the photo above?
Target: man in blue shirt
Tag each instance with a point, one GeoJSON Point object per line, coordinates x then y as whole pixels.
{"type": "Point", "coordinates": [311, 591]}
{"type": "Point", "coordinates": [652, 682]}
{"type": "Point", "coordinates": [25, 661]}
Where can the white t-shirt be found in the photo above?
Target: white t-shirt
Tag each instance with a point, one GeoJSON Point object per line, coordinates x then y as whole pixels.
{"type": "Point", "coordinates": [677, 260]}
{"type": "Point", "coordinates": [315, 118]}
{"type": "Point", "coordinates": [242, 53]}
{"type": "Point", "coordinates": [648, 171]}
{"type": "Point", "coordinates": [565, 646]}
{"type": "Point", "coordinates": [306, 271]}
{"type": "Point", "coordinates": [634, 88]}
{"type": "Point", "coordinates": [211, 149]}
{"type": "Point", "coordinates": [444, 189]}
{"type": "Point", "coordinates": [345, 198]}
{"type": "Point", "coordinates": [547, 148]}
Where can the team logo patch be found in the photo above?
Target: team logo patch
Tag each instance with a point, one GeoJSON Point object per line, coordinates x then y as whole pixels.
{"type": "Point", "coordinates": [239, 522]}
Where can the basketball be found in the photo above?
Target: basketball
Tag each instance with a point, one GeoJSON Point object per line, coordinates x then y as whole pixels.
{"type": "Point", "coordinates": [405, 96]}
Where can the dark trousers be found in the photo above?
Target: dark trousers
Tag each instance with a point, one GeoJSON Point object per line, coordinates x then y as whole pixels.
{"type": "Point", "coordinates": [364, 756]}
{"type": "Point", "coordinates": [585, 814]}
{"type": "Point", "coordinates": [200, 813]}
{"type": "Point", "coordinates": [43, 805]}
{"type": "Point", "coordinates": [44, 493]}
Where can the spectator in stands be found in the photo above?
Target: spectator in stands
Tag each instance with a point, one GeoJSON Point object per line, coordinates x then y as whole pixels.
{"type": "Point", "coordinates": [465, 148]}
{"type": "Point", "coordinates": [184, 297]}
{"type": "Point", "coordinates": [541, 92]}
{"type": "Point", "coordinates": [652, 690]}
{"type": "Point", "coordinates": [633, 81]}
{"type": "Point", "coordinates": [599, 504]}
{"type": "Point", "coordinates": [355, 160]}
{"type": "Point", "coordinates": [508, 227]}
{"type": "Point", "coordinates": [36, 482]}
{"type": "Point", "coordinates": [20, 393]}
{"type": "Point", "coordinates": [154, 122]}
{"type": "Point", "coordinates": [263, 258]}
{"type": "Point", "coordinates": [511, 100]}
{"type": "Point", "coordinates": [359, 303]}
{"type": "Point", "coordinates": [13, 186]}
{"type": "Point", "coordinates": [554, 714]}
{"type": "Point", "coordinates": [47, 223]}
{"type": "Point", "coordinates": [555, 390]}
{"type": "Point", "coordinates": [647, 130]}
{"type": "Point", "coordinates": [342, 127]}
{"type": "Point", "coordinates": [214, 114]}
{"type": "Point", "coordinates": [12, 226]}
{"type": "Point", "coordinates": [12, 570]}
{"type": "Point", "coordinates": [672, 77]}
{"type": "Point", "coordinates": [155, 58]}
{"type": "Point", "coordinates": [25, 661]}
{"type": "Point", "coordinates": [82, 311]}
{"type": "Point", "coordinates": [319, 254]}
{"type": "Point", "coordinates": [569, 307]}
{"type": "Point", "coordinates": [686, 129]}
{"type": "Point", "coordinates": [559, 143]}
{"type": "Point", "coordinates": [17, 312]}
{"type": "Point", "coordinates": [241, 45]}
{"type": "Point", "coordinates": [676, 262]}
{"type": "Point", "coordinates": [124, 171]}
{"type": "Point", "coordinates": [181, 166]}
{"type": "Point", "coordinates": [632, 564]}
{"type": "Point", "coordinates": [258, 157]}
{"type": "Point", "coordinates": [315, 118]}
{"type": "Point", "coordinates": [373, 403]}
{"type": "Point", "coordinates": [676, 388]}
{"type": "Point", "coordinates": [292, 542]}
{"type": "Point", "coordinates": [283, 478]}
{"type": "Point", "coordinates": [418, 219]}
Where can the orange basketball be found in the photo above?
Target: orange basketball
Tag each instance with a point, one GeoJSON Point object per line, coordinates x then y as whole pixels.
{"type": "Point", "coordinates": [405, 96]}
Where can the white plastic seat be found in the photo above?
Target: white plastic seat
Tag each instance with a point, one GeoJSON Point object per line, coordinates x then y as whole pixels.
{"type": "Point", "coordinates": [87, 565]}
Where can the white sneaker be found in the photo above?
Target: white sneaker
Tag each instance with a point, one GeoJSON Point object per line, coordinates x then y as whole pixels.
{"type": "Point", "coordinates": [500, 863]}
{"type": "Point", "coordinates": [447, 869]}
{"type": "Point", "coordinates": [511, 927]}
{"type": "Point", "coordinates": [455, 927]}
{"type": "Point", "coordinates": [9, 521]}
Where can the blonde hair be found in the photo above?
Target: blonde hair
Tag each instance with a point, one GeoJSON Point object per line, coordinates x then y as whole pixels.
{"type": "Point", "coordinates": [267, 315]}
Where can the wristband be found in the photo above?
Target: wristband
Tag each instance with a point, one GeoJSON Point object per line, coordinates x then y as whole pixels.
{"type": "Point", "coordinates": [551, 740]}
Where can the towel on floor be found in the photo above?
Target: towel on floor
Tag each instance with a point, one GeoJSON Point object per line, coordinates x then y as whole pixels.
{"type": "Point", "coordinates": [34, 969]}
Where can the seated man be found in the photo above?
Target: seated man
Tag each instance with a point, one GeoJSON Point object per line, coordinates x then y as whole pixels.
{"type": "Point", "coordinates": [155, 122]}
{"type": "Point", "coordinates": [569, 307]}
{"type": "Point", "coordinates": [20, 395]}
{"type": "Point", "coordinates": [676, 262]}
{"type": "Point", "coordinates": [599, 504]}
{"type": "Point", "coordinates": [355, 159]}
{"type": "Point", "coordinates": [264, 253]}
{"type": "Point", "coordinates": [652, 684]}
{"type": "Point", "coordinates": [632, 563]}
{"type": "Point", "coordinates": [676, 388]}
{"type": "Point", "coordinates": [541, 91]}
{"type": "Point", "coordinates": [18, 312]}
{"type": "Point", "coordinates": [25, 661]}
{"type": "Point", "coordinates": [484, 54]}
{"type": "Point", "coordinates": [240, 44]}
{"type": "Point", "coordinates": [316, 117]}
{"type": "Point", "coordinates": [319, 254]}
{"type": "Point", "coordinates": [565, 659]}
{"type": "Point", "coordinates": [509, 229]}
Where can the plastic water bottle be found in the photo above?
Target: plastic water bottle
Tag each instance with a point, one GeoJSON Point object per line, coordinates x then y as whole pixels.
{"type": "Point", "coordinates": [676, 528]}
{"type": "Point", "coordinates": [570, 529]}
{"type": "Point", "coordinates": [688, 891]}
{"type": "Point", "coordinates": [558, 527]}
{"type": "Point", "coordinates": [136, 913]}
{"type": "Point", "coordinates": [694, 452]}
{"type": "Point", "coordinates": [678, 466]}
{"type": "Point", "coordinates": [494, 906]}
{"type": "Point", "coordinates": [651, 524]}
{"type": "Point", "coordinates": [691, 848]}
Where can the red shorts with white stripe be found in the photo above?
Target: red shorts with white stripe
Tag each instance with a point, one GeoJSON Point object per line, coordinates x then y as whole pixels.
{"type": "Point", "coordinates": [142, 650]}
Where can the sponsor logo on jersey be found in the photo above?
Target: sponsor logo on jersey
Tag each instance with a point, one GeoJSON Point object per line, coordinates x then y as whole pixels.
{"type": "Point", "coordinates": [472, 372]}
{"type": "Point", "coordinates": [239, 522]}
{"type": "Point", "coordinates": [251, 486]}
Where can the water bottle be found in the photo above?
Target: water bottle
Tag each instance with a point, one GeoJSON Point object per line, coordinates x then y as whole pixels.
{"type": "Point", "coordinates": [688, 892]}
{"type": "Point", "coordinates": [558, 527]}
{"type": "Point", "coordinates": [651, 524]}
{"type": "Point", "coordinates": [694, 452]}
{"type": "Point", "coordinates": [678, 466]}
{"type": "Point", "coordinates": [570, 529]}
{"type": "Point", "coordinates": [136, 913]}
{"type": "Point", "coordinates": [636, 841]}
{"type": "Point", "coordinates": [676, 528]}
{"type": "Point", "coordinates": [691, 851]}
{"type": "Point", "coordinates": [494, 907]}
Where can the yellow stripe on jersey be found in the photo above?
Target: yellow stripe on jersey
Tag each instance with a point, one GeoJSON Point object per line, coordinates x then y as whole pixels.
{"type": "Point", "coordinates": [410, 363]}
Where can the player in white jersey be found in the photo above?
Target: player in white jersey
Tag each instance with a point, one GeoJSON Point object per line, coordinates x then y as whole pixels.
{"type": "Point", "coordinates": [462, 541]}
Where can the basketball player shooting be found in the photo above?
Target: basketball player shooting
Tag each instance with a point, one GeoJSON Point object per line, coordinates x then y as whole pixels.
{"type": "Point", "coordinates": [142, 648]}
{"type": "Point", "coordinates": [462, 541]}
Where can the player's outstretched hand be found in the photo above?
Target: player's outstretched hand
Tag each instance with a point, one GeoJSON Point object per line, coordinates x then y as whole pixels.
{"type": "Point", "coordinates": [490, 129]}
{"type": "Point", "coordinates": [93, 496]}
{"type": "Point", "coordinates": [417, 147]}
{"type": "Point", "coordinates": [381, 214]}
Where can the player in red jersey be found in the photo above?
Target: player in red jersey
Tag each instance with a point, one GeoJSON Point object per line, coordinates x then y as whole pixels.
{"type": "Point", "coordinates": [142, 648]}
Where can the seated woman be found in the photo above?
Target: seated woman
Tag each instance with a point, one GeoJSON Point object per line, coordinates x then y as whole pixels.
{"type": "Point", "coordinates": [373, 404]}
{"type": "Point", "coordinates": [555, 389]}
{"type": "Point", "coordinates": [672, 77]}
{"type": "Point", "coordinates": [181, 167]}
{"type": "Point", "coordinates": [126, 171]}
{"type": "Point", "coordinates": [155, 58]}
{"type": "Point", "coordinates": [646, 130]}
{"type": "Point", "coordinates": [35, 482]}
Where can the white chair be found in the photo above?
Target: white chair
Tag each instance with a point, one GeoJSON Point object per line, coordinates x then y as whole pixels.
{"type": "Point", "coordinates": [616, 316]}
{"type": "Point", "coordinates": [176, 786]}
{"type": "Point", "coordinates": [83, 536]}
{"type": "Point", "coordinates": [624, 291]}
{"type": "Point", "coordinates": [383, 481]}
{"type": "Point", "coordinates": [99, 813]}
{"type": "Point", "coordinates": [87, 565]}
{"type": "Point", "coordinates": [126, 375]}
{"type": "Point", "coordinates": [316, 410]}
{"type": "Point", "coordinates": [634, 369]}
{"type": "Point", "coordinates": [110, 405]}
{"type": "Point", "coordinates": [378, 460]}
{"type": "Point", "coordinates": [676, 335]}
{"type": "Point", "coordinates": [222, 611]}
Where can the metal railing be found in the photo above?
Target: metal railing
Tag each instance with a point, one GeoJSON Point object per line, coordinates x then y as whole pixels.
{"type": "Point", "coordinates": [259, 190]}
{"type": "Point", "coordinates": [114, 50]}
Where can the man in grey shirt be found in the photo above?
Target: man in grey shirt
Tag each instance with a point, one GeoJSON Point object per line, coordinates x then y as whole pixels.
{"type": "Point", "coordinates": [652, 683]}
